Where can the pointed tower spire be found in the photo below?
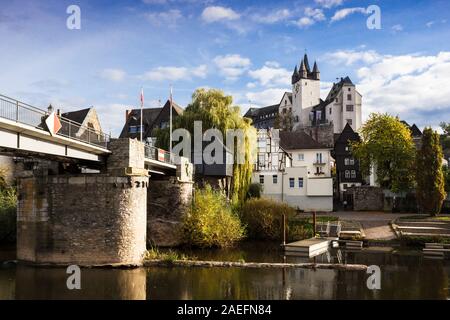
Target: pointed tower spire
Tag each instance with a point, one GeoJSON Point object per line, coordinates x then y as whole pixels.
{"type": "Point", "coordinates": [316, 72]}
{"type": "Point", "coordinates": [295, 75]}
{"type": "Point", "coordinates": [303, 71]}
{"type": "Point", "coordinates": [305, 60]}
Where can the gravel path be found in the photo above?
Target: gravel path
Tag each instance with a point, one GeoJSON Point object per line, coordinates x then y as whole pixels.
{"type": "Point", "coordinates": [375, 224]}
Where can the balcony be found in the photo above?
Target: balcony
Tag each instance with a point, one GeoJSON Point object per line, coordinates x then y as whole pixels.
{"type": "Point", "coordinates": [319, 162]}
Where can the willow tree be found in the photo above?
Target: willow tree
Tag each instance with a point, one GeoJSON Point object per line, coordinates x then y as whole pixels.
{"type": "Point", "coordinates": [430, 190]}
{"type": "Point", "coordinates": [386, 146]}
{"type": "Point", "coordinates": [216, 110]}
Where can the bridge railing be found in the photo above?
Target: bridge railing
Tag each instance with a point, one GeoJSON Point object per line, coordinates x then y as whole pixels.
{"type": "Point", "coordinates": [21, 112]}
{"type": "Point", "coordinates": [159, 155]}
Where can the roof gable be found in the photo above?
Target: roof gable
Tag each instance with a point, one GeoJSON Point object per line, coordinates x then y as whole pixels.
{"type": "Point", "coordinates": [77, 116]}
{"type": "Point", "coordinates": [298, 140]}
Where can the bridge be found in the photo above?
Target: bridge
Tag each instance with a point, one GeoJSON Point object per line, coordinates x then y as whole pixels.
{"type": "Point", "coordinates": [91, 217]}
{"type": "Point", "coordinates": [24, 132]}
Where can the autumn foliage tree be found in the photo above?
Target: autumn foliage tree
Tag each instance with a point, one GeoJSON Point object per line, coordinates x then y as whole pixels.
{"type": "Point", "coordinates": [216, 110]}
{"type": "Point", "coordinates": [386, 146]}
{"type": "Point", "coordinates": [430, 190]}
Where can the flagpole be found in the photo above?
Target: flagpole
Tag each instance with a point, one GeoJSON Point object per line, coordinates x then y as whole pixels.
{"type": "Point", "coordinates": [142, 108]}
{"type": "Point", "coordinates": [170, 125]}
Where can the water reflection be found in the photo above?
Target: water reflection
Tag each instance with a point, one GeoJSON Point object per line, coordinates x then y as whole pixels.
{"type": "Point", "coordinates": [25, 282]}
{"type": "Point", "coordinates": [405, 275]}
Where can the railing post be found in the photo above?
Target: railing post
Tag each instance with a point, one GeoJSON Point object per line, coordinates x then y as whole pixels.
{"type": "Point", "coordinates": [17, 111]}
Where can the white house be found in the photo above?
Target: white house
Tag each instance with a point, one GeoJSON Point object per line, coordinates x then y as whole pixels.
{"type": "Point", "coordinates": [295, 169]}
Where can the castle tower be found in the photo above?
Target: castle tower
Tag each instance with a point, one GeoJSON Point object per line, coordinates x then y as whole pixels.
{"type": "Point", "coordinates": [305, 92]}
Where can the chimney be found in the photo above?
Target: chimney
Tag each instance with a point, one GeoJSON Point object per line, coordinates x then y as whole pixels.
{"type": "Point", "coordinates": [50, 108]}
{"type": "Point", "coordinates": [58, 112]}
{"type": "Point", "coordinates": [127, 114]}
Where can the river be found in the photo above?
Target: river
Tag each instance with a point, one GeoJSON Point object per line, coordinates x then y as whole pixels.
{"type": "Point", "coordinates": [405, 274]}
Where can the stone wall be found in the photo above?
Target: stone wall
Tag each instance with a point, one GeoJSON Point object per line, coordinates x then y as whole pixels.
{"type": "Point", "coordinates": [367, 198]}
{"type": "Point", "coordinates": [127, 157]}
{"type": "Point", "coordinates": [168, 201]}
{"type": "Point", "coordinates": [82, 219]}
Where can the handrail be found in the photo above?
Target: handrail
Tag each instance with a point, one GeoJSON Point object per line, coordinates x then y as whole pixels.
{"type": "Point", "coordinates": [21, 112]}
{"type": "Point", "coordinates": [159, 154]}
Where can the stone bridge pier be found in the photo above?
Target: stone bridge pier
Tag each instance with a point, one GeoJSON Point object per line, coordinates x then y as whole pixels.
{"type": "Point", "coordinates": [86, 219]}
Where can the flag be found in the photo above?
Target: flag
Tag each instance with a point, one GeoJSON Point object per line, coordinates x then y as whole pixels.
{"type": "Point", "coordinates": [141, 129]}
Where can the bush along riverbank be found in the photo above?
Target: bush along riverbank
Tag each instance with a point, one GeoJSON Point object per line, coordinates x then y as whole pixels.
{"type": "Point", "coordinates": [214, 222]}
{"type": "Point", "coordinates": [8, 205]}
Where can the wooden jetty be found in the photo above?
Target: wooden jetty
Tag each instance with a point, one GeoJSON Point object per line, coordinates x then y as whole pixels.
{"type": "Point", "coordinates": [309, 247]}
{"type": "Point", "coordinates": [436, 250]}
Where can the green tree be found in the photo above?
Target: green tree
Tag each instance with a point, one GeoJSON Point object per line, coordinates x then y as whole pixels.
{"type": "Point", "coordinates": [430, 190]}
{"type": "Point", "coordinates": [216, 110]}
{"type": "Point", "coordinates": [445, 138]}
{"type": "Point", "coordinates": [387, 147]}
{"type": "Point", "coordinates": [446, 172]}
{"type": "Point", "coordinates": [284, 121]}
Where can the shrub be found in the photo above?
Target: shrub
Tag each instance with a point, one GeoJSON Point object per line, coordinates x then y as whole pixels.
{"type": "Point", "coordinates": [8, 200]}
{"type": "Point", "coordinates": [263, 218]}
{"type": "Point", "coordinates": [254, 191]}
{"type": "Point", "coordinates": [211, 222]}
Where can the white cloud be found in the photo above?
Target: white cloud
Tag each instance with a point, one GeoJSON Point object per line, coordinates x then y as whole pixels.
{"type": "Point", "coordinates": [272, 17]}
{"type": "Point", "coordinates": [265, 97]}
{"type": "Point", "coordinates": [329, 3]}
{"type": "Point", "coordinates": [200, 71]}
{"type": "Point", "coordinates": [316, 14]}
{"type": "Point", "coordinates": [165, 18]}
{"type": "Point", "coordinates": [430, 24]}
{"type": "Point", "coordinates": [397, 28]}
{"type": "Point", "coordinates": [174, 73]}
{"type": "Point", "coordinates": [304, 22]}
{"type": "Point", "coordinates": [232, 65]}
{"type": "Point", "coordinates": [343, 13]}
{"type": "Point", "coordinates": [325, 88]}
{"type": "Point", "coordinates": [311, 17]}
{"type": "Point", "coordinates": [350, 57]}
{"type": "Point", "coordinates": [216, 13]}
{"type": "Point", "coordinates": [271, 75]}
{"type": "Point", "coordinates": [407, 85]}
{"type": "Point", "coordinates": [116, 75]}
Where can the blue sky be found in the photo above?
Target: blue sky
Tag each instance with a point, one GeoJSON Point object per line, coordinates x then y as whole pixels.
{"type": "Point", "coordinates": [247, 48]}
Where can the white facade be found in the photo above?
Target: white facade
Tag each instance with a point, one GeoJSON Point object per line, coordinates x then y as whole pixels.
{"type": "Point", "coordinates": [305, 95]}
{"type": "Point", "coordinates": [303, 180]}
{"type": "Point", "coordinates": [345, 108]}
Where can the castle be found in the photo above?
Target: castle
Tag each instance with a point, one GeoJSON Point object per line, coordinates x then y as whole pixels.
{"type": "Point", "coordinates": [305, 107]}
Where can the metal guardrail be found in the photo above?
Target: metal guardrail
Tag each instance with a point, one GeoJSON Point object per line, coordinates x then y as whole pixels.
{"type": "Point", "coordinates": [21, 112]}
{"type": "Point", "coordinates": [158, 154]}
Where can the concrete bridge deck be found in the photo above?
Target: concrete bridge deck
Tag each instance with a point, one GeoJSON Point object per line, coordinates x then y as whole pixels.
{"type": "Point", "coordinates": [23, 132]}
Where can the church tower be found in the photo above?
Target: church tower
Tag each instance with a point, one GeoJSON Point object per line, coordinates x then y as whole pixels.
{"type": "Point", "coordinates": [305, 91]}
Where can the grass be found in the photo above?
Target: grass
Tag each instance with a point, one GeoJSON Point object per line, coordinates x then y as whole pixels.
{"type": "Point", "coordinates": [419, 241]}
{"type": "Point", "coordinates": [166, 255]}
{"type": "Point", "coordinates": [442, 218]}
{"type": "Point", "coordinates": [425, 217]}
